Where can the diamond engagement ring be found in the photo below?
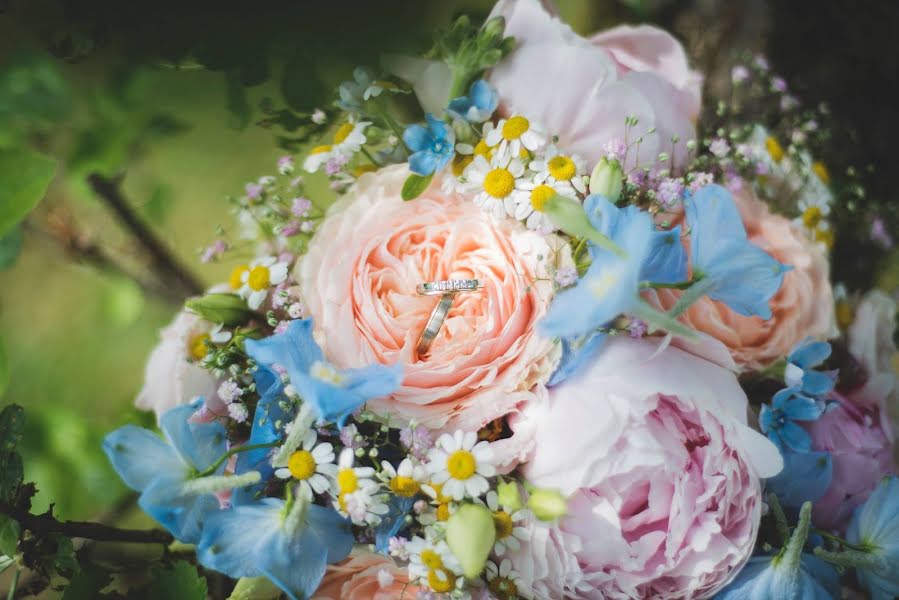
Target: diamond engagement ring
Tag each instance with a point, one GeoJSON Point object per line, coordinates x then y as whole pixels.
{"type": "Point", "coordinates": [447, 291]}
{"type": "Point", "coordinates": [436, 288]}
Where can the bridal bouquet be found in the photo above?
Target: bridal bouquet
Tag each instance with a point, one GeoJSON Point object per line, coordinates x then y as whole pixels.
{"type": "Point", "coordinates": [564, 333]}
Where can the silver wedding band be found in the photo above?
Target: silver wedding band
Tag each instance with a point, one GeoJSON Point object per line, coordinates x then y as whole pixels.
{"type": "Point", "coordinates": [436, 288]}
{"type": "Point", "coordinates": [447, 291]}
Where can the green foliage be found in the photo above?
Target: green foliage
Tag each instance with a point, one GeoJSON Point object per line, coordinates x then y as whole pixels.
{"type": "Point", "coordinates": [87, 584]}
{"type": "Point", "coordinates": [4, 370]}
{"type": "Point", "coordinates": [470, 50]}
{"type": "Point", "coordinates": [9, 535]}
{"type": "Point", "coordinates": [33, 97]}
{"type": "Point", "coordinates": [25, 175]}
{"type": "Point", "coordinates": [10, 248]}
{"type": "Point", "coordinates": [229, 309]}
{"type": "Point", "coordinates": [12, 420]}
{"type": "Point", "coordinates": [415, 186]}
{"type": "Point", "coordinates": [179, 582]}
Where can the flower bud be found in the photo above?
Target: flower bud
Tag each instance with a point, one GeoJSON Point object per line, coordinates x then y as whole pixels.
{"type": "Point", "coordinates": [568, 215]}
{"type": "Point", "coordinates": [547, 505]}
{"type": "Point", "coordinates": [470, 534]}
{"type": "Point", "coordinates": [607, 179]}
{"type": "Point", "coordinates": [508, 496]}
{"type": "Point", "coordinates": [227, 309]}
{"type": "Point", "coordinates": [494, 28]}
{"type": "Point", "coordinates": [255, 588]}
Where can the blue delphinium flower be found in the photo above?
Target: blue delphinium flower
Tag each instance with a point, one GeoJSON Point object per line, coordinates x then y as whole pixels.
{"type": "Point", "coordinates": [778, 421]}
{"type": "Point", "coordinates": [788, 574]}
{"type": "Point", "coordinates": [334, 394]}
{"type": "Point", "coordinates": [291, 543]}
{"type": "Point", "coordinates": [732, 270]}
{"type": "Point", "coordinates": [160, 469]}
{"type": "Point", "coordinates": [799, 372]}
{"type": "Point", "coordinates": [478, 106]}
{"type": "Point", "coordinates": [432, 145]}
{"type": "Point", "coordinates": [875, 526]}
{"type": "Point", "coordinates": [806, 476]}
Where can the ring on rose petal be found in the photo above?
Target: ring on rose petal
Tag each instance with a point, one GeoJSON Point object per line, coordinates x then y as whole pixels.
{"type": "Point", "coordinates": [435, 322]}
{"type": "Point", "coordinates": [435, 288]}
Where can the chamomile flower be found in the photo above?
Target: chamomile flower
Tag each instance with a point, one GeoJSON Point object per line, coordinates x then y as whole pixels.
{"type": "Point", "coordinates": [433, 562]}
{"type": "Point", "coordinates": [312, 465]}
{"type": "Point", "coordinates": [258, 278]}
{"type": "Point", "coordinates": [404, 480]}
{"type": "Point", "coordinates": [440, 502]}
{"type": "Point", "coordinates": [531, 196]}
{"type": "Point", "coordinates": [516, 133]}
{"type": "Point", "coordinates": [347, 140]}
{"type": "Point", "coordinates": [565, 169]}
{"type": "Point", "coordinates": [355, 492]}
{"type": "Point", "coordinates": [461, 464]}
{"type": "Point", "coordinates": [494, 182]}
{"type": "Point", "coordinates": [504, 583]}
{"type": "Point", "coordinates": [509, 529]}
{"type": "Point", "coordinates": [814, 208]}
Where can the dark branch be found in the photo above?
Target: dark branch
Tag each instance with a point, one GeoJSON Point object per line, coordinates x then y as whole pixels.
{"type": "Point", "coordinates": [164, 263]}
{"type": "Point", "coordinates": [47, 523]}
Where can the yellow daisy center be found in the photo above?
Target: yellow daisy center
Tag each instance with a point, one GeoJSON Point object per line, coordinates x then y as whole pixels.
{"type": "Point", "coordinates": [482, 149]}
{"type": "Point", "coordinates": [431, 559]}
{"type": "Point", "coordinates": [515, 127]}
{"type": "Point", "coordinates": [441, 586]}
{"type": "Point", "coordinates": [460, 162]}
{"type": "Point", "coordinates": [775, 150]}
{"type": "Point", "coordinates": [844, 314]}
{"type": "Point", "coordinates": [259, 278]}
{"type": "Point", "coordinates": [461, 464]}
{"type": "Point", "coordinates": [342, 133]}
{"type": "Point", "coordinates": [811, 217]}
{"type": "Point", "coordinates": [301, 464]}
{"type": "Point", "coordinates": [825, 236]}
{"type": "Point", "coordinates": [320, 149]}
{"type": "Point", "coordinates": [341, 501]}
{"type": "Point", "coordinates": [540, 195]}
{"type": "Point", "coordinates": [562, 168]}
{"type": "Point", "coordinates": [404, 486]}
{"type": "Point", "coordinates": [347, 481]}
{"type": "Point", "coordinates": [235, 279]}
{"type": "Point", "coordinates": [443, 513]}
{"type": "Point", "coordinates": [198, 348]}
{"type": "Point", "coordinates": [503, 588]}
{"type": "Point", "coordinates": [821, 171]}
{"type": "Point", "coordinates": [503, 522]}
{"type": "Point", "coordinates": [499, 183]}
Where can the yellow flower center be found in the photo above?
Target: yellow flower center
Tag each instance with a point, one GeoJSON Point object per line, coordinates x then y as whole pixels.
{"type": "Point", "coordinates": [259, 278]}
{"type": "Point", "coordinates": [775, 150]}
{"type": "Point", "coordinates": [499, 183]}
{"type": "Point", "coordinates": [844, 314]}
{"type": "Point", "coordinates": [460, 162]}
{"type": "Point", "coordinates": [562, 168]}
{"type": "Point", "coordinates": [540, 195]}
{"type": "Point", "coordinates": [503, 588]}
{"type": "Point", "coordinates": [440, 585]}
{"type": "Point", "coordinates": [443, 513]}
{"type": "Point", "coordinates": [363, 169]}
{"type": "Point", "coordinates": [347, 481]}
{"type": "Point", "coordinates": [482, 149]}
{"type": "Point", "coordinates": [235, 279]}
{"type": "Point", "coordinates": [503, 522]}
{"type": "Point", "coordinates": [825, 236]}
{"type": "Point", "coordinates": [404, 486]}
{"type": "Point", "coordinates": [515, 127]}
{"type": "Point", "coordinates": [431, 559]}
{"type": "Point", "coordinates": [811, 217]}
{"type": "Point", "coordinates": [301, 464]}
{"type": "Point", "coordinates": [605, 282]}
{"type": "Point", "coordinates": [461, 464]}
{"type": "Point", "coordinates": [341, 501]}
{"type": "Point", "coordinates": [821, 171]}
{"type": "Point", "coordinates": [320, 149]}
{"type": "Point", "coordinates": [198, 347]}
{"type": "Point", "coordinates": [342, 133]}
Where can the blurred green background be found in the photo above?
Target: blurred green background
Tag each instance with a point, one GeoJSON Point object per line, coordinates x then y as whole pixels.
{"type": "Point", "coordinates": [169, 96]}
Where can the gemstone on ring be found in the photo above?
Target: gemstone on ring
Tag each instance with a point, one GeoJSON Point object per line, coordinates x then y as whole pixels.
{"type": "Point", "coordinates": [433, 288]}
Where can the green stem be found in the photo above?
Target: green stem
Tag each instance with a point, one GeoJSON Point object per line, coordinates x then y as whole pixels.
{"type": "Point", "coordinates": [791, 555]}
{"type": "Point", "coordinates": [370, 157]}
{"type": "Point", "coordinates": [245, 448]}
{"type": "Point", "coordinates": [841, 541]}
{"type": "Point", "coordinates": [14, 584]}
{"type": "Point", "coordinates": [680, 285]}
{"type": "Point", "coordinates": [780, 519]}
{"type": "Point", "coordinates": [460, 82]}
{"type": "Point", "coordinates": [392, 125]}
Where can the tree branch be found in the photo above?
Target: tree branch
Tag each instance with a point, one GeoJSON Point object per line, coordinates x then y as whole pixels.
{"type": "Point", "coordinates": [47, 523]}
{"type": "Point", "coordinates": [164, 263]}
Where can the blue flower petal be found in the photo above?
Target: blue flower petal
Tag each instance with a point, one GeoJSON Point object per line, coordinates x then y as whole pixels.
{"type": "Point", "coordinates": [232, 539]}
{"type": "Point", "coordinates": [767, 418]}
{"type": "Point", "coordinates": [802, 408]}
{"type": "Point", "coordinates": [805, 477]}
{"type": "Point", "coordinates": [183, 516]}
{"type": "Point", "coordinates": [141, 457]}
{"type": "Point", "coordinates": [667, 260]}
{"type": "Point", "coordinates": [200, 443]}
{"type": "Point", "coordinates": [423, 162]}
{"type": "Point", "coordinates": [576, 353]}
{"type": "Point", "coordinates": [817, 383]}
{"type": "Point", "coordinates": [392, 522]}
{"type": "Point", "coordinates": [295, 349]}
{"type": "Point", "coordinates": [795, 437]}
{"type": "Point", "coordinates": [417, 138]}
{"type": "Point", "coordinates": [809, 353]}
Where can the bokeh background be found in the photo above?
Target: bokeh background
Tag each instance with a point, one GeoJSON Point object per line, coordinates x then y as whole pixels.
{"type": "Point", "coordinates": [184, 102]}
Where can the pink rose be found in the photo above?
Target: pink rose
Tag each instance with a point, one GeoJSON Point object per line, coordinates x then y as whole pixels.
{"type": "Point", "coordinates": [356, 578]}
{"type": "Point", "coordinates": [860, 441]}
{"type": "Point", "coordinates": [871, 333]}
{"type": "Point", "coordinates": [359, 277]}
{"type": "Point", "coordinates": [802, 307]}
{"type": "Point", "coordinates": [662, 472]}
{"type": "Point", "coordinates": [582, 90]}
{"type": "Point", "coordinates": [172, 377]}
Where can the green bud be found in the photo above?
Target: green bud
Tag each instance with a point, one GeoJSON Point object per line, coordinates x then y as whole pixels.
{"type": "Point", "coordinates": [568, 215]}
{"type": "Point", "coordinates": [494, 28]}
{"type": "Point", "coordinates": [547, 505]}
{"type": "Point", "coordinates": [607, 179]}
{"type": "Point", "coordinates": [228, 309]}
{"type": "Point", "coordinates": [508, 495]}
{"type": "Point", "coordinates": [470, 534]}
{"type": "Point", "coordinates": [255, 588]}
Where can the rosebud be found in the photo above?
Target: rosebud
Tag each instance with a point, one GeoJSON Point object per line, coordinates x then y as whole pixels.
{"type": "Point", "coordinates": [470, 534]}
{"type": "Point", "coordinates": [508, 496]}
{"type": "Point", "coordinates": [547, 505]}
{"type": "Point", "coordinates": [568, 215]}
{"type": "Point", "coordinates": [607, 179]}
{"type": "Point", "coordinates": [228, 309]}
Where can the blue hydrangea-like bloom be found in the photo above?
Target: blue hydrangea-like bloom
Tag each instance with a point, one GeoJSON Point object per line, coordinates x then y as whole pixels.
{"type": "Point", "coordinates": [806, 476]}
{"type": "Point", "coordinates": [432, 145]}
{"type": "Point", "coordinates": [159, 468]}
{"type": "Point", "coordinates": [800, 374]}
{"type": "Point", "coordinates": [778, 421]}
{"type": "Point", "coordinates": [478, 106]}
{"type": "Point", "coordinates": [875, 525]}
{"type": "Point", "coordinates": [735, 271]}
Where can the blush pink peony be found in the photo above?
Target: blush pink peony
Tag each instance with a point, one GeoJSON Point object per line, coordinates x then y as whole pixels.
{"type": "Point", "coordinates": [357, 578]}
{"type": "Point", "coordinates": [583, 89]}
{"type": "Point", "coordinates": [662, 472]}
{"type": "Point", "coordinates": [802, 307]}
{"type": "Point", "coordinates": [359, 278]}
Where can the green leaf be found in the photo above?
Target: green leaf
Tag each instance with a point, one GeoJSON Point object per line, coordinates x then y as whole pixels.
{"type": "Point", "coordinates": [180, 582]}
{"type": "Point", "coordinates": [87, 584]}
{"type": "Point", "coordinates": [9, 535]}
{"type": "Point", "coordinates": [228, 309]}
{"type": "Point", "coordinates": [10, 248]}
{"type": "Point", "coordinates": [255, 588]}
{"type": "Point", "coordinates": [693, 293]}
{"type": "Point", "coordinates": [236, 100]}
{"type": "Point", "coordinates": [4, 371]}
{"type": "Point", "coordinates": [25, 175]}
{"type": "Point", "coordinates": [415, 185]}
{"type": "Point", "coordinates": [664, 321]}
{"type": "Point", "coordinates": [12, 420]}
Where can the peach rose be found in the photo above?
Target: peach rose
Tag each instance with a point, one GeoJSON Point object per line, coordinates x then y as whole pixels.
{"type": "Point", "coordinates": [802, 307]}
{"type": "Point", "coordinates": [359, 277]}
{"type": "Point", "coordinates": [356, 578]}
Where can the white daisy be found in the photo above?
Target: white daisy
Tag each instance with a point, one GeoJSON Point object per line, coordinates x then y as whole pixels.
{"type": "Point", "coordinates": [461, 464]}
{"type": "Point", "coordinates": [355, 492]}
{"type": "Point", "coordinates": [258, 277]}
{"type": "Point", "coordinates": [312, 465]}
{"type": "Point", "coordinates": [555, 167]}
{"type": "Point", "coordinates": [433, 563]}
{"type": "Point", "coordinates": [531, 195]}
{"type": "Point", "coordinates": [494, 182]}
{"type": "Point", "coordinates": [348, 139]}
{"type": "Point", "coordinates": [516, 133]}
{"type": "Point", "coordinates": [504, 583]}
{"type": "Point", "coordinates": [404, 480]}
{"type": "Point", "coordinates": [509, 532]}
